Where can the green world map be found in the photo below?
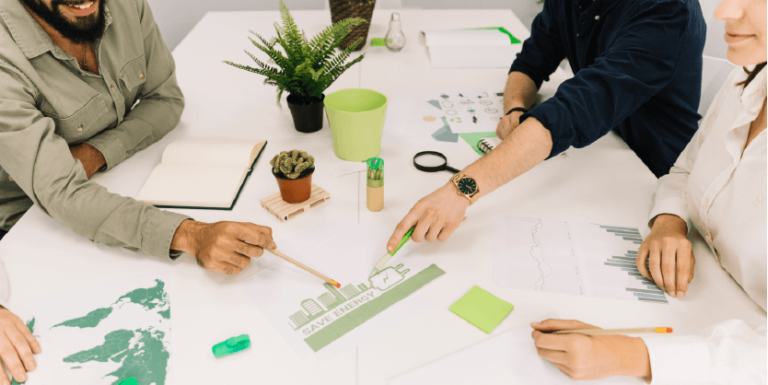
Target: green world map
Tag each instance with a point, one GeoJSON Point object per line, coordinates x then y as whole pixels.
{"type": "Point", "coordinates": [141, 353]}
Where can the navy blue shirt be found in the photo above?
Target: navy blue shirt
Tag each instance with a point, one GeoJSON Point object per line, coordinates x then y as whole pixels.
{"type": "Point", "coordinates": [637, 66]}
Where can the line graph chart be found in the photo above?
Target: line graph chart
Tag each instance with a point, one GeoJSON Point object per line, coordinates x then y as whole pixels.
{"type": "Point", "coordinates": [570, 258]}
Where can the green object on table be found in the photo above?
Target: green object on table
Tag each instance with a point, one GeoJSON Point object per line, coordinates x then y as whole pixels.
{"type": "Point", "coordinates": [482, 309]}
{"type": "Point", "coordinates": [356, 119]}
{"type": "Point", "coordinates": [473, 138]}
{"type": "Point", "coordinates": [503, 30]}
{"type": "Point", "coordinates": [129, 381]}
{"type": "Point", "coordinates": [385, 259]}
{"type": "Point", "coordinates": [378, 42]}
{"type": "Point", "coordinates": [232, 345]}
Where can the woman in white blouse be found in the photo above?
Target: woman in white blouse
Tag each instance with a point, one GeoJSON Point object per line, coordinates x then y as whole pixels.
{"type": "Point", "coordinates": [718, 187]}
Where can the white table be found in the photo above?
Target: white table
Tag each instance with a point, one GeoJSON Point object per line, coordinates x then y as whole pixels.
{"type": "Point", "coordinates": [605, 183]}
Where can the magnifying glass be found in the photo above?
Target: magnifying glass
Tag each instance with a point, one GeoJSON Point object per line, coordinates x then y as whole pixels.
{"type": "Point", "coordinates": [432, 161]}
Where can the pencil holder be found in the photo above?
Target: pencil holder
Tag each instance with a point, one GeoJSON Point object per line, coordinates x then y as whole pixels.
{"type": "Point", "coordinates": [375, 184]}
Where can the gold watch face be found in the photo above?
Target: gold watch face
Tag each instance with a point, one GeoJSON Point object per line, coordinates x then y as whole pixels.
{"type": "Point", "coordinates": [467, 186]}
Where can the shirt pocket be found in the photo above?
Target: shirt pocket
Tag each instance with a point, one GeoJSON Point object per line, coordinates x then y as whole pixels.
{"type": "Point", "coordinates": [80, 125]}
{"type": "Point", "coordinates": [133, 76]}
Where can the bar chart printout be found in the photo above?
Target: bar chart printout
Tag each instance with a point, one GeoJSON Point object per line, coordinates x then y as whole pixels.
{"type": "Point", "coordinates": [571, 258]}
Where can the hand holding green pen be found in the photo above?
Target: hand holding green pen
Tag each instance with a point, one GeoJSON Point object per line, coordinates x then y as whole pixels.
{"type": "Point", "coordinates": [385, 259]}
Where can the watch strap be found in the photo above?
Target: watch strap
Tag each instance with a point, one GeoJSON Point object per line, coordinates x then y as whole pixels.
{"type": "Point", "coordinates": [516, 109]}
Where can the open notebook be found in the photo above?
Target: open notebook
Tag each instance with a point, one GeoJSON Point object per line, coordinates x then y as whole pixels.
{"type": "Point", "coordinates": [201, 173]}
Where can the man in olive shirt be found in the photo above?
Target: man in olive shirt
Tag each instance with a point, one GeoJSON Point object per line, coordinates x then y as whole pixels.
{"type": "Point", "coordinates": [84, 85]}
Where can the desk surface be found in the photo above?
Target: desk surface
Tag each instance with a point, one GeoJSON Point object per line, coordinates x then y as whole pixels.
{"type": "Point", "coordinates": [604, 183]}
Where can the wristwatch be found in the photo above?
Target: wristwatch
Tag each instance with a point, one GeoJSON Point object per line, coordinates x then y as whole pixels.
{"type": "Point", "coordinates": [466, 187]}
{"type": "Point", "coordinates": [516, 109]}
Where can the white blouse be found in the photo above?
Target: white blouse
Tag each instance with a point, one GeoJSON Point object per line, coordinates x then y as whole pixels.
{"type": "Point", "coordinates": [719, 187]}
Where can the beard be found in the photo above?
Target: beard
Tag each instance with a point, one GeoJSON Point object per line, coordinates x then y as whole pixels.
{"type": "Point", "coordinates": [85, 29]}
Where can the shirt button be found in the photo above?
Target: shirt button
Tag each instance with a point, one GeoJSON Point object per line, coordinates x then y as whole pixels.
{"type": "Point", "coordinates": [9, 178]}
{"type": "Point", "coordinates": [80, 127]}
{"type": "Point", "coordinates": [112, 88]}
{"type": "Point", "coordinates": [577, 35]}
{"type": "Point", "coordinates": [708, 239]}
{"type": "Point", "coordinates": [141, 75]}
{"type": "Point", "coordinates": [597, 17]}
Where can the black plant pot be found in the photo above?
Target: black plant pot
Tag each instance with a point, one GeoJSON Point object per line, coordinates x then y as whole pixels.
{"type": "Point", "coordinates": [307, 117]}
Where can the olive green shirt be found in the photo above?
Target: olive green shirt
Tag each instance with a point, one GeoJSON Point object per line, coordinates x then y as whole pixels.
{"type": "Point", "coordinates": [47, 104]}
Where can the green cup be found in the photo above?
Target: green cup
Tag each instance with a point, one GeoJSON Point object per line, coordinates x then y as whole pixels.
{"type": "Point", "coordinates": [356, 117]}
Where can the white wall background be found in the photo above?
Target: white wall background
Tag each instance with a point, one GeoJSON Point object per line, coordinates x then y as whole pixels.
{"type": "Point", "coordinates": [177, 17]}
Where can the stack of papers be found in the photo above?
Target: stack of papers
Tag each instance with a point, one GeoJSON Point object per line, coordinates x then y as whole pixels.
{"type": "Point", "coordinates": [472, 48]}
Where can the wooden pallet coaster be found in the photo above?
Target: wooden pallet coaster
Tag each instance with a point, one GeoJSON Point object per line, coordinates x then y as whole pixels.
{"type": "Point", "coordinates": [285, 211]}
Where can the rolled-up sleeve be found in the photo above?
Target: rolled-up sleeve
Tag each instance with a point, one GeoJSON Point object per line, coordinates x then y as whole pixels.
{"type": "Point", "coordinates": [543, 51]}
{"type": "Point", "coordinates": [40, 162]}
{"type": "Point", "coordinates": [672, 189]}
{"type": "Point", "coordinates": [161, 101]}
{"type": "Point", "coordinates": [634, 68]}
{"type": "Point", "coordinates": [726, 353]}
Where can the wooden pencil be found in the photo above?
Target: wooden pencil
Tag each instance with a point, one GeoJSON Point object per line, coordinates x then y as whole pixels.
{"type": "Point", "coordinates": [304, 267]}
{"type": "Point", "coordinates": [596, 332]}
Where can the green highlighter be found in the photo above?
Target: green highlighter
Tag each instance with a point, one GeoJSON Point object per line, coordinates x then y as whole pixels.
{"type": "Point", "coordinates": [385, 259]}
{"type": "Point", "coordinates": [232, 345]}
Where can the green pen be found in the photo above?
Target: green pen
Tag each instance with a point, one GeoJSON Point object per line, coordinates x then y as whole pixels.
{"type": "Point", "coordinates": [385, 259]}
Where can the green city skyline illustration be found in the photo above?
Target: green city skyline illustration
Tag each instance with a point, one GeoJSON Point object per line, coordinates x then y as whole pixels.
{"type": "Point", "coordinates": [333, 298]}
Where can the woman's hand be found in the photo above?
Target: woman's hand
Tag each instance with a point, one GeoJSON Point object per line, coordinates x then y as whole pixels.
{"type": "Point", "coordinates": [585, 357]}
{"type": "Point", "coordinates": [669, 254]}
{"type": "Point", "coordinates": [17, 346]}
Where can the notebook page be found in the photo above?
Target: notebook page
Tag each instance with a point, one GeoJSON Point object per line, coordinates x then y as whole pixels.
{"type": "Point", "coordinates": [236, 153]}
{"type": "Point", "coordinates": [192, 185]}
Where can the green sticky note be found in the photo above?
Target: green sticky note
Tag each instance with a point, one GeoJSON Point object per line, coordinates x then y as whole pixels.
{"type": "Point", "coordinates": [473, 138]}
{"type": "Point", "coordinates": [482, 309]}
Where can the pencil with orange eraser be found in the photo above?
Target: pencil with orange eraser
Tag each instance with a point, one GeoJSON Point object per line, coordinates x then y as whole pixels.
{"type": "Point", "coordinates": [595, 332]}
{"type": "Point", "coordinates": [304, 267]}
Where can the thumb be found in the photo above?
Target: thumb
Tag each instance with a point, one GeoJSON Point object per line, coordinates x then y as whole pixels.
{"type": "Point", "coordinates": [553, 325]}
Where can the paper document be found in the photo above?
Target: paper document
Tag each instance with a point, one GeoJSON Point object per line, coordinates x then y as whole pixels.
{"type": "Point", "coordinates": [571, 258]}
{"type": "Point", "coordinates": [315, 318]}
{"type": "Point", "coordinates": [508, 358]}
{"type": "Point", "coordinates": [472, 109]}
{"type": "Point", "coordinates": [105, 334]}
{"type": "Point", "coordinates": [471, 48]}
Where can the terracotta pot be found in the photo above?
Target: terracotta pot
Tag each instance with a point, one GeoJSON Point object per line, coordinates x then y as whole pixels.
{"type": "Point", "coordinates": [343, 9]}
{"type": "Point", "coordinates": [306, 117]}
{"type": "Point", "coordinates": [296, 190]}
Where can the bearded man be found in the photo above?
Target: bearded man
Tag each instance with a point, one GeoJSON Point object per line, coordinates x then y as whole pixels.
{"type": "Point", "coordinates": [84, 85]}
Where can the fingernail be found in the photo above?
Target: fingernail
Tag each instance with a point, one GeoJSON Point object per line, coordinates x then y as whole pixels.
{"type": "Point", "coordinates": [535, 323]}
{"type": "Point", "coordinates": [680, 294]}
{"type": "Point", "coordinates": [389, 248]}
{"type": "Point", "coordinates": [673, 293]}
{"type": "Point", "coordinates": [22, 378]}
{"type": "Point", "coordinates": [272, 246]}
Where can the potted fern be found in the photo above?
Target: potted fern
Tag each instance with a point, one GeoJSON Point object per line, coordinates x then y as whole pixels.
{"type": "Point", "coordinates": [293, 171]}
{"type": "Point", "coordinates": [304, 68]}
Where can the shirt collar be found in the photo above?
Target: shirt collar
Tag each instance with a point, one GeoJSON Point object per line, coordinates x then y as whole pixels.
{"type": "Point", "coordinates": [29, 35]}
{"type": "Point", "coordinates": [753, 95]}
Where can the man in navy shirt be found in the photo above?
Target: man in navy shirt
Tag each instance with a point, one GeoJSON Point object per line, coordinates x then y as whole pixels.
{"type": "Point", "coordinates": [637, 66]}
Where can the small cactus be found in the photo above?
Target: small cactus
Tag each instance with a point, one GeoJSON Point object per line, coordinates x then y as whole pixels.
{"type": "Point", "coordinates": [291, 163]}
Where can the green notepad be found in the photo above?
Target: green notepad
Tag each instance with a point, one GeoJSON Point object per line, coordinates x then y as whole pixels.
{"type": "Point", "coordinates": [482, 309]}
{"type": "Point", "coordinates": [474, 137]}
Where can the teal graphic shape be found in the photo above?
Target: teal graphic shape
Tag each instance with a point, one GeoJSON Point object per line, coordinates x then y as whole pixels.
{"type": "Point", "coordinates": [369, 309]}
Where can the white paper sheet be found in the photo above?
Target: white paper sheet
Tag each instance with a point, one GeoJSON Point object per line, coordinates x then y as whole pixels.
{"type": "Point", "coordinates": [105, 334]}
{"type": "Point", "coordinates": [318, 320]}
{"type": "Point", "coordinates": [339, 167]}
{"type": "Point", "coordinates": [508, 358]}
{"type": "Point", "coordinates": [472, 109]}
{"type": "Point", "coordinates": [571, 258]}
